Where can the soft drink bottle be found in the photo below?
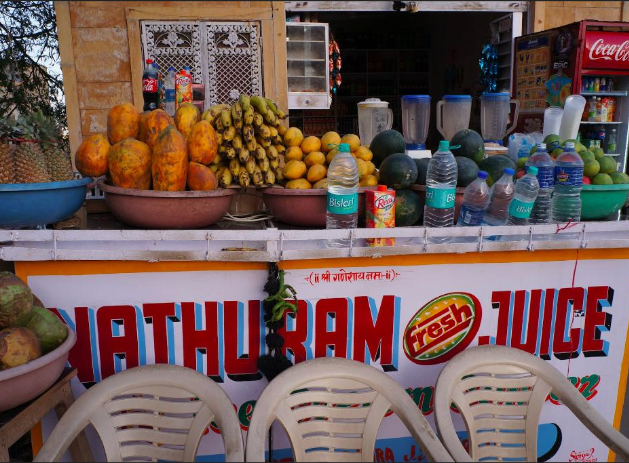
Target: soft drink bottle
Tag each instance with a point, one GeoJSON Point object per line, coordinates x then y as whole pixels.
{"type": "Point", "coordinates": [169, 92]}
{"type": "Point", "coordinates": [501, 194]}
{"type": "Point", "coordinates": [568, 184]}
{"type": "Point", "coordinates": [441, 180]}
{"type": "Point", "coordinates": [475, 201]}
{"type": "Point", "coordinates": [150, 86]}
{"type": "Point", "coordinates": [342, 198]}
{"type": "Point", "coordinates": [526, 191]}
{"type": "Point", "coordinates": [546, 178]}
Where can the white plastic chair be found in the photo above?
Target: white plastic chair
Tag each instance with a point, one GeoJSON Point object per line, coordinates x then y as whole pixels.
{"type": "Point", "coordinates": [499, 392]}
{"type": "Point", "coordinates": [331, 409]}
{"type": "Point", "coordinates": [149, 413]}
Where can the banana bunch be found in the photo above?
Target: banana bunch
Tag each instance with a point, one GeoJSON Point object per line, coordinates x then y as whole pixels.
{"type": "Point", "coordinates": [250, 141]}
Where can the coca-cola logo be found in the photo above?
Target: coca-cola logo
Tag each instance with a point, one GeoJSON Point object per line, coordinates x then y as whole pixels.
{"type": "Point", "coordinates": [149, 85]}
{"type": "Point", "coordinates": [384, 202]}
{"type": "Point", "coordinates": [608, 51]}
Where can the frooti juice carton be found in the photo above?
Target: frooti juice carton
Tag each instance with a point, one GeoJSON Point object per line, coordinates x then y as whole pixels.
{"type": "Point", "coordinates": [381, 213]}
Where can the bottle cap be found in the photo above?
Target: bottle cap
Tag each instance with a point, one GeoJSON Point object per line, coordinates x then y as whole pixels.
{"type": "Point", "coordinates": [482, 174]}
{"type": "Point", "coordinates": [532, 170]}
{"type": "Point", "coordinates": [569, 145]}
{"type": "Point", "coordinates": [541, 146]}
{"type": "Point", "coordinates": [171, 69]}
{"type": "Point", "coordinates": [149, 61]}
{"type": "Point", "coordinates": [344, 147]}
{"type": "Point", "coordinates": [382, 188]}
{"type": "Point", "coordinates": [444, 145]}
{"type": "Point", "coordinates": [509, 171]}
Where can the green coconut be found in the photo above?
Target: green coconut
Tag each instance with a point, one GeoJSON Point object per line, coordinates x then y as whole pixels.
{"type": "Point", "coordinates": [50, 331]}
{"type": "Point", "coordinates": [16, 299]}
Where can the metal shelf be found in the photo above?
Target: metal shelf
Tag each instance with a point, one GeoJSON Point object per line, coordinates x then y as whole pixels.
{"type": "Point", "coordinates": [600, 123]}
{"type": "Point", "coordinates": [615, 93]}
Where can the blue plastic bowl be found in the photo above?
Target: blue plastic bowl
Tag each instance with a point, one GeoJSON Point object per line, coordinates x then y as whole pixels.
{"type": "Point", "coordinates": [32, 204]}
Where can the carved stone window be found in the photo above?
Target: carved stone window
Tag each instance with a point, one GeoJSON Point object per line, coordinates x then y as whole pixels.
{"type": "Point", "coordinates": [226, 57]}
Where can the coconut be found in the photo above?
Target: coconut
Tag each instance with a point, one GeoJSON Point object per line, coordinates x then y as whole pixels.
{"type": "Point", "coordinates": [16, 299]}
{"type": "Point", "coordinates": [50, 331]}
{"type": "Point", "coordinates": [17, 347]}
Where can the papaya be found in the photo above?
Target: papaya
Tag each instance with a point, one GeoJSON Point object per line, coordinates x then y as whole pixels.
{"type": "Point", "coordinates": [202, 143]}
{"type": "Point", "coordinates": [186, 116]}
{"type": "Point", "coordinates": [170, 161]}
{"type": "Point", "coordinates": [123, 121]}
{"type": "Point", "coordinates": [91, 157]}
{"type": "Point", "coordinates": [130, 164]}
{"type": "Point", "coordinates": [142, 129]}
{"type": "Point", "coordinates": [201, 177]}
{"type": "Point", "coordinates": [156, 121]}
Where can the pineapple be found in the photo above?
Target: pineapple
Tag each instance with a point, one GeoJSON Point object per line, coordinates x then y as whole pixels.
{"type": "Point", "coordinates": [7, 168]}
{"type": "Point", "coordinates": [58, 159]}
{"type": "Point", "coordinates": [29, 157]}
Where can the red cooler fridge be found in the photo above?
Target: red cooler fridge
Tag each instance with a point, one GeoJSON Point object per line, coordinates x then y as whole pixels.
{"type": "Point", "coordinates": [590, 58]}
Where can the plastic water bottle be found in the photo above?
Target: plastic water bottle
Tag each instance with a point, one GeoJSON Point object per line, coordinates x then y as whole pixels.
{"type": "Point", "coordinates": [546, 178]}
{"type": "Point", "coordinates": [475, 201]}
{"type": "Point", "coordinates": [169, 93]}
{"type": "Point", "coordinates": [526, 191]}
{"type": "Point", "coordinates": [342, 198]}
{"type": "Point", "coordinates": [501, 194]}
{"type": "Point", "coordinates": [568, 183]}
{"type": "Point", "coordinates": [441, 180]}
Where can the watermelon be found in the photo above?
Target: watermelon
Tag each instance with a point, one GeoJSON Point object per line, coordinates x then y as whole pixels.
{"type": "Point", "coordinates": [422, 170]}
{"type": "Point", "coordinates": [398, 171]}
{"type": "Point", "coordinates": [468, 171]}
{"type": "Point", "coordinates": [385, 144]}
{"type": "Point", "coordinates": [470, 145]}
{"type": "Point", "coordinates": [495, 166]}
{"type": "Point", "coordinates": [409, 208]}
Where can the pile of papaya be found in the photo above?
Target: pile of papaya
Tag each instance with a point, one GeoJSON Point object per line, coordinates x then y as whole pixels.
{"type": "Point", "coordinates": [225, 145]}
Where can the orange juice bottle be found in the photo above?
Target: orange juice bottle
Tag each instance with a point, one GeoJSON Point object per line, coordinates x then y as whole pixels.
{"type": "Point", "coordinates": [381, 213]}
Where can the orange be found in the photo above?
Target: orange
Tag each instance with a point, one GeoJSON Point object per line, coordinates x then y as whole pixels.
{"type": "Point", "coordinates": [310, 144]}
{"type": "Point", "coordinates": [330, 138]}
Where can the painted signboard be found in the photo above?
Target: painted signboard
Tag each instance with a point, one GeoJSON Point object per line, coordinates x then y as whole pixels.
{"type": "Point", "coordinates": [405, 315]}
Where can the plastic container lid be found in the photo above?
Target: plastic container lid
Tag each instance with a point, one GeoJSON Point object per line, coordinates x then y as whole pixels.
{"type": "Point", "coordinates": [532, 170]}
{"type": "Point", "coordinates": [416, 98]}
{"type": "Point", "coordinates": [382, 188]}
{"type": "Point", "coordinates": [149, 61]}
{"type": "Point", "coordinates": [171, 69]}
{"type": "Point", "coordinates": [495, 96]}
{"type": "Point", "coordinates": [444, 145]}
{"type": "Point", "coordinates": [374, 102]}
{"type": "Point", "coordinates": [509, 170]}
{"type": "Point", "coordinates": [457, 97]}
{"type": "Point", "coordinates": [482, 174]}
{"type": "Point", "coordinates": [541, 146]}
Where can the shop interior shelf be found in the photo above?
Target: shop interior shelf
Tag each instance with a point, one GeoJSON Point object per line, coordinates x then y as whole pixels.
{"type": "Point", "coordinates": [600, 123]}
{"type": "Point", "coordinates": [614, 93]}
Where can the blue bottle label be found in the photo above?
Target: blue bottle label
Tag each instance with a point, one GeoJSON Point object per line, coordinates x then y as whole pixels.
{"type": "Point", "coordinates": [440, 197]}
{"type": "Point", "coordinates": [520, 209]}
{"type": "Point", "coordinates": [471, 217]}
{"type": "Point", "coordinates": [342, 204]}
{"type": "Point", "coordinates": [546, 177]}
{"type": "Point", "coordinates": [569, 176]}
{"type": "Point", "coordinates": [170, 94]}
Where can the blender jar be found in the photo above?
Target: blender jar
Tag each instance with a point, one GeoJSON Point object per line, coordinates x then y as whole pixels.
{"type": "Point", "coordinates": [415, 121]}
{"type": "Point", "coordinates": [374, 116]}
{"type": "Point", "coordinates": [453, 115]}
{"type": "Point", "coordinates": [494, 116]}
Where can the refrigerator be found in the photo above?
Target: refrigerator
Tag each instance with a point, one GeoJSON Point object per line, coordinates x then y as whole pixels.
{"type": "Point", "coordinates": [555, 63]}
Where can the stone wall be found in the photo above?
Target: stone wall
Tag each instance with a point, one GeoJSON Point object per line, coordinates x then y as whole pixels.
{"type": "Point", "coordinates": [554, 14]}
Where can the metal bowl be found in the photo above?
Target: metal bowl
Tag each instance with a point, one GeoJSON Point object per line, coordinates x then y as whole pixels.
{"type": "Point", "coordinates": [20, 384]}
{"type": "Point", "coordinates": [32, 204]}
{"type": "Point", "coordinates": [167, 209]}
{"type": "Point", "coordinates": [304, 208]}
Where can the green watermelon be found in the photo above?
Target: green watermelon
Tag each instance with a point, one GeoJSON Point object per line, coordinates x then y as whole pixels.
{"type": "Point", "coordinates": [398, 171]}
{"type": "Point", "coordinates": [409, 208]}
{"type": "Point", "coordinates": [385, 144]}
{"type": "Point", "coordinates": [495, 166]}
{"type": "Point", "coordinates": [471, 145]}
{"type": "Point", "coordinates": [422, 170]}
{"type": "Point", "coordinates": [468, 171]}
{"type": "Point", "coordinates": [50, 331]}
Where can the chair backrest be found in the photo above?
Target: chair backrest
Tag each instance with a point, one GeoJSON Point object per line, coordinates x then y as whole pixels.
{"type": "Point", "coordinates": [331, 409]}
{"type": "Point", "coordinates": [499, 392]}
{"type": "Point", "coordinates": [155, 412]}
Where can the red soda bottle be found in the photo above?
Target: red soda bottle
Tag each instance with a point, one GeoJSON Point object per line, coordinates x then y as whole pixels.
{"type": "Point", "coordinates": [150, 86]}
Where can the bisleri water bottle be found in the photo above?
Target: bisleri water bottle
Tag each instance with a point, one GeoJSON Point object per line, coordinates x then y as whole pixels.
{"type": "Point", "coordinates": [441, 180]}
{"type": "Point", "coordinates": [342, 198]}
{"type": "Point", "coordinates": [526, 190]}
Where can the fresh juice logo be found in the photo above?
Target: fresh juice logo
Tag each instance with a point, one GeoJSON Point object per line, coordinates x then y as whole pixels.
{"type": "Point", "coordinates": [384, 202]}
{"type": "Point", "coordinates": [442, 328]}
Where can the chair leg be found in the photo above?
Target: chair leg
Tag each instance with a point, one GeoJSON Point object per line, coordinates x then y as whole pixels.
{"type": "Point", "coordinates": [80, 448]}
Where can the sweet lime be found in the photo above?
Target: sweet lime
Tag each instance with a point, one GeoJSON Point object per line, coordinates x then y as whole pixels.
{"type": "Point", "coordinates": [521, 163]}
{"type": "Point", "coordinates": [598, 152]}
{"type": "Point", "coordinates": [556, 152]}
{"type": "Point", "coordinates": [591, 168]}
{"type": "Point", "coordinates": [587, 156]}
{"type": "Point", "coordinates": [578, 147]}
{"type": "Point", "coordinates": [552, 141]}
{"type": "Point", "coordinates": [602, 179]}
{"type": "Point", "coordinates": [533, 149]}
{"type": "Point", "coordinates": [619, 178]}
{"type": "Point", "coordinates": [608, 165]}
